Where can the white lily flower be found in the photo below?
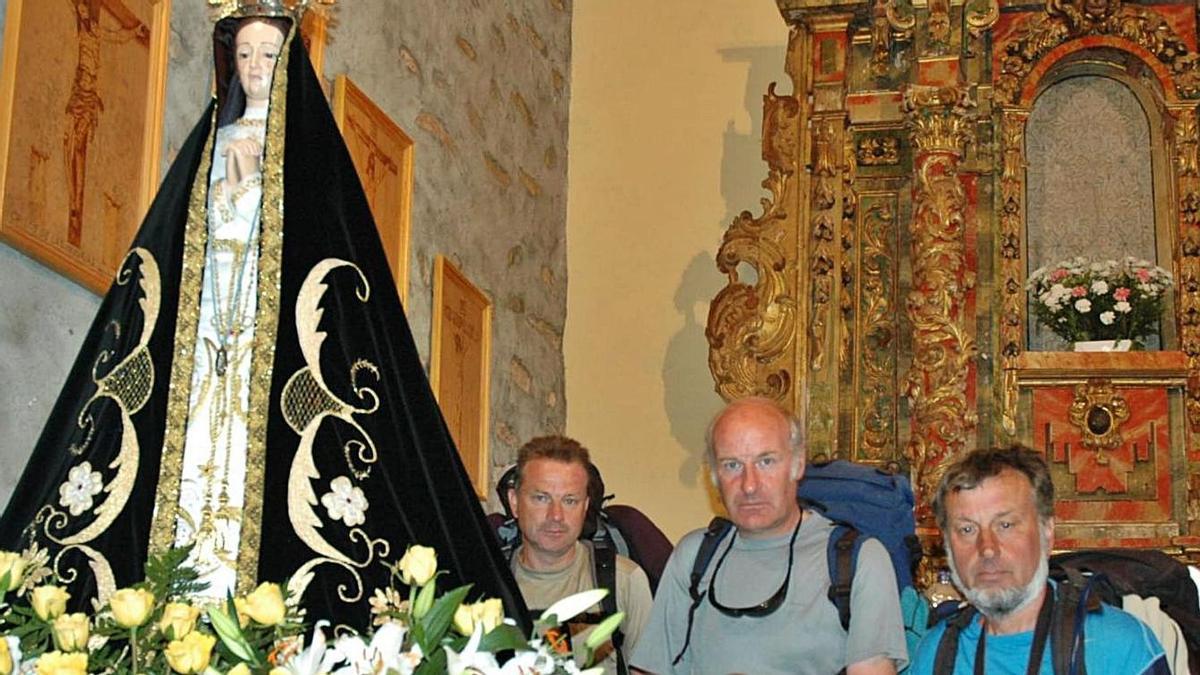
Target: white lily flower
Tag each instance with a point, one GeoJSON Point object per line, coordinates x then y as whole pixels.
{"type": "Point", "coordinates": [382, 655]}
{"type": "Point", "coordinates": [310, 660]}
{"type": "Point", "coordinates": [566, 609]}
{"type": "Point", "coordinates": [470, 660]}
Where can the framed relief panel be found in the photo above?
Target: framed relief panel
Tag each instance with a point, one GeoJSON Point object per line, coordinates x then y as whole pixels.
{"type": "Point", "coordinates": [383, 158]}
{"type": "Point", "coordinates": [460, 372]}
{"type": "Point", "coordinates": [81, 100]}
{"type": "Point", "coordinates": [314, 30]}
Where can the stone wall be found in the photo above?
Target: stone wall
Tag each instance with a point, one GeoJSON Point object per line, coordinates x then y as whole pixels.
{"type": "Point", "coordinates": [482, 89]}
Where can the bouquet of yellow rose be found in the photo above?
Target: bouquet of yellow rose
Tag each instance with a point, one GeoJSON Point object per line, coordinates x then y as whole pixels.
{"type": "Point", "coordinates": [153, 627]}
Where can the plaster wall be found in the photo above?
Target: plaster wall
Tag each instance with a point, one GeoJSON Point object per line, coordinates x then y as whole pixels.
{"type": "Point", "coordinates": [666, 106]}
{"type": "Point", "coordinates": [482, 89]}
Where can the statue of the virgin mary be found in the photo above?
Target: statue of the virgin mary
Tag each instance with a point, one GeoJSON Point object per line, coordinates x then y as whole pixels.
{"type": "Point", "coordinates": [250, 387]}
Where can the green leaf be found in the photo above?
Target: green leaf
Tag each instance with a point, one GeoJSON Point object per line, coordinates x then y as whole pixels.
{"type": "Point", "coordinates": [503, 637]}
{"type": "Point", "coordinates": [437, 621]}
{"type": "Point", "coordinates": [433, 664]}
{"type": "Point", "coordinates": [230, 632]}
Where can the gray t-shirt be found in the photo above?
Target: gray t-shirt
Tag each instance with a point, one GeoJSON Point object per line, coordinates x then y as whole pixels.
{"type": "Point", "coordinates": [803, 636]}
{"type": "Point", "coordinates": [542, 589]}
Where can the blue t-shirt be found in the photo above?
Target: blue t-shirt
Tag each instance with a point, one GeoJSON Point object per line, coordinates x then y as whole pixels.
{"type": "Point", "coordinates": [1115, 643]}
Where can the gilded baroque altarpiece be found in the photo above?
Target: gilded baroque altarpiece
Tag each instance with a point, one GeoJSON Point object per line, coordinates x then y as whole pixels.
{"type": "Point", "coordinates": [888, 305]}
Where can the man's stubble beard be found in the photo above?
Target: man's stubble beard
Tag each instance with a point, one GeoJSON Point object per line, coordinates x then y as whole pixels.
{"type": "Point", "coordinates": [1000, 603]}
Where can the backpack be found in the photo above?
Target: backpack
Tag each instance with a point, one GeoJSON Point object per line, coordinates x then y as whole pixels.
{"type": "Point", "coordinates": [863, 502]}
{"type": "Point", "coordinates": [1144, 572]}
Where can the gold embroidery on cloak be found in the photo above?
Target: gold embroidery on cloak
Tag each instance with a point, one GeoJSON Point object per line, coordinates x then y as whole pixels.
{"type": "Point", "coordinates": [128, 386]}
{"type": "Point", "coordinates": [306, 401]}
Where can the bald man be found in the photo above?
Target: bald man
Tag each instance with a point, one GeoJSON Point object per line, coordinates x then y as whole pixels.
{"type": "Point", "coordinates": [762, 605]}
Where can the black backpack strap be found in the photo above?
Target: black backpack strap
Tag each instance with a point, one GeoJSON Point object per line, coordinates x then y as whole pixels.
{"type": "Point", "coordinates": [947, 652]}
{"type": "Point", "coordinates": [604, 562]}
{"type": "Point", "coordinates": [1074, 600]}
{"type": "Point", "coordinates": [841, 554]}
{"type": "Point", "coordinates": [717, 529]}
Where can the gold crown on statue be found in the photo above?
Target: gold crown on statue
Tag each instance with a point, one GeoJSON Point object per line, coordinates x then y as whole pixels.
{"type": "Point", "coordinates": [291, 9]}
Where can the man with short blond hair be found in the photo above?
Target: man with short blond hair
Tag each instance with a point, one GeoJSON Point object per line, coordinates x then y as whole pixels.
{"type": "Point", "coordinates": [995, 508]}
{"type": "Point", "coordinates": [550, 502]}
{"type": "Point", "coordinates": [762, 604]}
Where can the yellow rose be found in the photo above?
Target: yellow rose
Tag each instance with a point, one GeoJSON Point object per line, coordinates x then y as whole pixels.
{"type": "Point", "coordinates": [13, 565]}
{"type": "Point", "coordinates": [191, 654]}
{"type": "Point", "coordinates": [71, 632]}
{"type": "Point", "coordinates": [241, 669]}
{"type": "Point", "coordinates": [58, 663]}
{"type": "Point", "coordinates": [418, 565]}
{"type": "Point", "coordinates": [49, 601]}
{"type": "Point", "coordinates": [464, 619]}
{"type": "Point", "coordinates": [490, 613]}
{"type": "Point", "coordinates": [264, 604]}
{"type": "Point", "coordinates": [131, 606]}
{"type": "Point", "coordinates": [6, 662]}
{"type": "Point", "coordinates": [280, 671]}
{"type": "Point", "coordinates": [178, 619]}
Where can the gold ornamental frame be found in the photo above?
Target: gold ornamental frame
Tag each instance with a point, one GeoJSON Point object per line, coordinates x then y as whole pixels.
{"type": "Point", "coordinates": [460, 370]}
{"type": "Point", "coordinates": [69, 196]}
{"type": "Point", "coordinates": [383, 159]}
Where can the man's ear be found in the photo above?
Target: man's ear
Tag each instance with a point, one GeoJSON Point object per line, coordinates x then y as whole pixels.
{"type": "Point", "coordinates": [1048, 533]}
{"type": "Point", "coordinates": [797, 466]}
{"type": "Point", "coordinates": [512, 502]}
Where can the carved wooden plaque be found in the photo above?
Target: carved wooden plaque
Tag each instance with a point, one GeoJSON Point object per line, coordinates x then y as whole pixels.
{"type": "Point", "coordinates": [460, 372]}
{"type": "Point", "coordinates": [383, 158]}
{"type": "Point", "coordinates": [81, 98]}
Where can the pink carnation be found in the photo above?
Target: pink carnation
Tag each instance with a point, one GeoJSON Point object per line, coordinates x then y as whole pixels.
{"type": "Point", "coordinates": [1121, 293]}
{"type": "Point", "coordinates": [1078, 292]}
{"type": "Point", "coordinates": [1143, 275]}
{"type": "Point", "coordinates": [1058, 274]}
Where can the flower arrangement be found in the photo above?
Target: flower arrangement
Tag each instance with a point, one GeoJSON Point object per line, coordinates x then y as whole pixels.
{"type": "Point", "coordinates": [153, 627]}
{"type": "Point", "coordinates": [1079, 300]}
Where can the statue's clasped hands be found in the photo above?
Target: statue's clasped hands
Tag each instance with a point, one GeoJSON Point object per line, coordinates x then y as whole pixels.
{"type": "Point", "coordinates": [243, 159]}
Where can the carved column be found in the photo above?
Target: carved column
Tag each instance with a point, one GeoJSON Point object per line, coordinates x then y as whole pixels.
{"type": "Point", "coordinates": [1012, 261]}
{"type": "Point", "coordinates": [943, 352]}
{"type": "Point", "coordinates": [1186, 156]}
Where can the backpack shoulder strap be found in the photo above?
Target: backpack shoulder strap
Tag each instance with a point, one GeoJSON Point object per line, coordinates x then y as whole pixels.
{"type": "Point", "coordinates": [718, 527]}
{"type": "Point", "coordinates": [1074, 600]}
{"type": "Point", "coordinates": [604, 563]}
{"type": "Point", "coordinates": [841, 553]}
{"type": "Point", "coordinates": [947, 652]}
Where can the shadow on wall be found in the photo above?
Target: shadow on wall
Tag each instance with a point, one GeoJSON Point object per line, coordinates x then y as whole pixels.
{"type": "Point", "coordinates": [689, 398]}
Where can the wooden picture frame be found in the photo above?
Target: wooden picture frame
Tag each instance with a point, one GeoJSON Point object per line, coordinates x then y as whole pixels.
{"type": "Point", "coordinates": [314, 30]}
{"type": "Point", "coordinates": [460, 371]}
{"type": "Point", "coordinates": [81, 104]}
{"type": "Point", "coordinates": [383, 158]}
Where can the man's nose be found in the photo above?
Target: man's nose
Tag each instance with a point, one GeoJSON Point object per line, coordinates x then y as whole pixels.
{"type": "Point", "coordinates": [750, 481]}
{"type": "Point", "coordinates": [556, 511]}
{"type": "Point", "coordinates": [987, 543]}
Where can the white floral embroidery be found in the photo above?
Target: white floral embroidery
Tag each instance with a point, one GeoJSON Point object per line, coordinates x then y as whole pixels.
{"type": "Point", "coordinates": [81, 485]}
{"type": "Point", "coordinates": [345, 502]}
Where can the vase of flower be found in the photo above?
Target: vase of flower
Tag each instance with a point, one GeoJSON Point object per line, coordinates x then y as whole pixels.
{"type": "Point", "coordinates": [1105, 305]}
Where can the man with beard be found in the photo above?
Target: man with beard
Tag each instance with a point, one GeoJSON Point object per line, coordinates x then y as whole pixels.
{"type": "Point", "coordinates": [995, 508]}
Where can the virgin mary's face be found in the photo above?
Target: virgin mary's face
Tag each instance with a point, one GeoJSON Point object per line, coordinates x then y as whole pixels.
{"type": "Point", "coordinates": [257, 48]}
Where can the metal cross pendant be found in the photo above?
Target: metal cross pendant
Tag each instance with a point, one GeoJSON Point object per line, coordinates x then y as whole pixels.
{"type": "Point", "coordinates": [222, 360]}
